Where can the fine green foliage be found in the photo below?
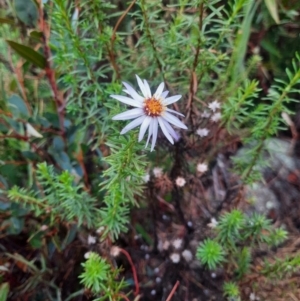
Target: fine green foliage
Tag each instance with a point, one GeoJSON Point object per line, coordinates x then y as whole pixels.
{"type": "Point", "coordinates": [231, 291]}
{"type": "Point", "coordinates": [96, 273]}
{"type": "Point", "coordinates": [281, 268]}
{"type": "Point", "coordinates": [60, 198]}
{"type": "Point", "coordinates": [237, 235]}
{"type": "Point", "coordinates": [265, 119]}
{"type": "Point", "coordinates": [123, 183]}
{"type": "Point", "coordinates": [66, 173]}
{"type": "Point", "coordinates": [229, 227]}
{"type": "Point", "coordinates": [100, 278]}
{"type": "Point", "coordinates": [210, 253]}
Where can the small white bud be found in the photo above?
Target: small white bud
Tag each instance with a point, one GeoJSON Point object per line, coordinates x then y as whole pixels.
{"type": "Point", "coordinates": [175, 258]}
{"type": "Point", "coordinates": [187, 255]}
{"type": "Point", "coordinates": [157, 171]}
{"type": "Point", "coordinates": [202, 132]}
{"type": "Point", "coordinates": [180, 181]}
{"type": "Point", "coordinates": [153, 292]}
{"type": "Point", "coordinates": [115, 251]}
{"type": "Point", "coordinates": [213, 223]}
{"type": "Point", "coordinates": [177, 243]}
{"type": "Point", "coordinates": [44, 228]}
{"type": "Point", "coordinates": [216, 117]}
{"type": "Point", "coordinates": [91, 240]}
{"type": "Point", "coordinates": [214, 105]}
{"type": "Point", "coordinates": [146, 178]}
{"type": "Point", "coordinates": [87, 255]}
{"type": "Point", "coordinates": [202, 167]}
{"type": "Point", "coordinates": [100, 230]}
{"type": "Point", "coordinates": [205, 114]}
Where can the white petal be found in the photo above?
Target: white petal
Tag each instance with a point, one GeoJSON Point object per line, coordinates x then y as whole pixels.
{"type": "Point", "coordinates": [129, 114]}
{"type": "Point", "coordinates": [171, 131]}
{"type": "Point", "coordinates": [127, 100]}
{"type": "Point", "coordinates": [147, 88]}
{"type": "Point", "coordinates": [133, 124]}
{"type": "Point", "coordinates": [164, 129]}
{"type": "Point", "coordinates": [32, 132]}
{"type": "Point", "coordinates": [141, 85]}
{"type": "Point", "coordinates": [172, 99]}
{"type": "Point", "coordinates": [174, 112]}
{"type": "Point", "coordinates": [132, 92]}
{"type": "Point", "coordinates": [164, 94]}
{"type": "Point", "coordinates": [154, 132]}
{"type": "Point", "coordinates": [149, 133]}
{"type": "Point", "coordinates": [144, 127]}
{"type": "Point", "coordinates": [174, 120]}
{"type": "Point", "coordinates": [159, 90]}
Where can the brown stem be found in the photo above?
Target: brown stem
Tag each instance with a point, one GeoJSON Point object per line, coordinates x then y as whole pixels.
{"type": "Point", "coordinates": [50, 73]}
{"type": "Point", "coordinates": [193, 79]}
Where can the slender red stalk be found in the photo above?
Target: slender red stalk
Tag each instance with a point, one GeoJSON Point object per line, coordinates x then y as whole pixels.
{"type": "Point", "coordinates": [173, 291]}
{"type": "Point", "coordinates": [136, 282]}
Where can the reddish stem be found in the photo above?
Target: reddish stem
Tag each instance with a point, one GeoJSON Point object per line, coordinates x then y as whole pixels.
{"type": "Point", "coordinates": [136, 282]}
{"type": "Point", "coordinates": [173, 291]}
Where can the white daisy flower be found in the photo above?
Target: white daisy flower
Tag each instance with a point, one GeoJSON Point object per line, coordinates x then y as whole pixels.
{"type": "Point", "coordinates": [149, 112]}
{"type": "Point", "coordinates": [202, 132]}
{"type": "Point", "coordinates": [214, 105]}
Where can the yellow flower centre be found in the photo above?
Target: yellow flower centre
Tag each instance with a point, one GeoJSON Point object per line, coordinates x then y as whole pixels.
{"type": "Point", "coordinates": [153, 107]}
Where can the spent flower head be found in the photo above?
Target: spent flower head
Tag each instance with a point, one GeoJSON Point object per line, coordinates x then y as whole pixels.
{"type": "Point", "coordinates": [202, 167]}
{"type": "Point", "coordinates": [177, 243]}
{"type": "Point", "coordinates": [205, 114]}
{"type": "Point", "coordinates": [180, 181]}
{"type": "Point", "coordinates": [175, 258]}
{"type": "Point", "coordinates": [158, 172]}
{"type": "Point", "coordinates": [202, 132]}
{"type": "Point", "coordinates": [214, 105]}
{"type": "Point", "coordinates": [216, 117]}
{"type": "Point", "coordinates": [149, 112]}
